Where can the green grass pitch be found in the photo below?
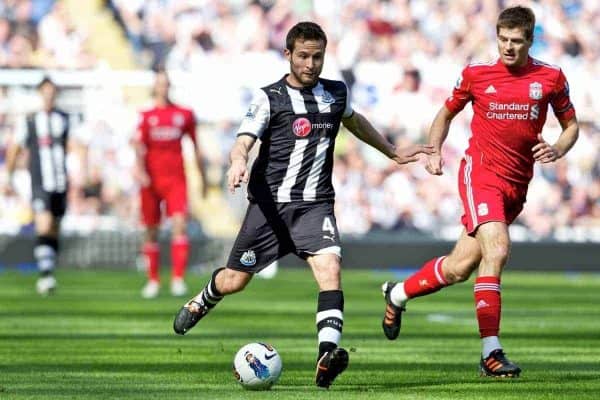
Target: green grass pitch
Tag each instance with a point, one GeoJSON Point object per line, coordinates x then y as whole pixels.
{"type": "Point", "coordinates": [97, 339]}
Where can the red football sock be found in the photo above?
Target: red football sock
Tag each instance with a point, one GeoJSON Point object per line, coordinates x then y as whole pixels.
{"type": "Point", "coordinates": [488, 305]}
{"type": "Point", "coordinates": [151, 253]}
{"type": "Point", "coordinates": [180, 248]}
{"type": "Point", "coordinates": [427, 280]}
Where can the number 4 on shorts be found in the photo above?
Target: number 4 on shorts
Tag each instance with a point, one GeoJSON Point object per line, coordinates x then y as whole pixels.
{"type": "Point", "coordinates": [328, 226]}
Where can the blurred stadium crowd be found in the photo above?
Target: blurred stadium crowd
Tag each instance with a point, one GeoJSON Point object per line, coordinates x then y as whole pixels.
{"type": "Point", "coordinates": [399, 57]}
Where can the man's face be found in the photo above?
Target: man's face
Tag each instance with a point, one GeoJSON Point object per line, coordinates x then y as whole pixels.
{"type": "Point", "coordinates": [48, 94]}
{"type": "Point", "coordinates": [513, 47]}
{"type": "Point", "coordinates": [306, 61]}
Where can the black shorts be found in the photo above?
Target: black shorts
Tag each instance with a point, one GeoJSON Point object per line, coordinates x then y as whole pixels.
{"type": "Point", "coordinates": [53, 202]}
{"type": "Point", "coordinates": [273, 230]}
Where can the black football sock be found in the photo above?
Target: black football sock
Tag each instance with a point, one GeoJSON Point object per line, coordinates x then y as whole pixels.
{"type": "Point", "coordinates": [330, 320]}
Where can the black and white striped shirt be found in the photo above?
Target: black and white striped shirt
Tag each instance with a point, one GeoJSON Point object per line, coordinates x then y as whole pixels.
{"type": "Point", "coordinates": [45, 135]}
{"type": "Point", "coordinates": [297, 128]}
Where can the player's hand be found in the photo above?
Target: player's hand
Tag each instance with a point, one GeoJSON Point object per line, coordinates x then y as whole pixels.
{"type": "Point", "coordinates": [405, 155]}
{"type": "Point", "coordinates": [238, 173]}
{"type": "Point", "coordinates": [434, 164]}
{"type": "Point", "coordinates": [7, 190]}
{"type": "Point", "coordinates": [6, 187]}
{"type": "Point", "coordinates": [544, 152]}
{"type": "Point", "coordinates": [142, 178]}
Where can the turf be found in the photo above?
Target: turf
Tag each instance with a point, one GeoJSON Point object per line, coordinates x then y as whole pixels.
{"type": "Point", "coordinates": [97, 339]}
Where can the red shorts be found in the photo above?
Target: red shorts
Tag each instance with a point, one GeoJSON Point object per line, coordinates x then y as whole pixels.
{"type": "Point", "coordinates": [173, 191]}
{"type": "Point", "coordinates": [486, 196]}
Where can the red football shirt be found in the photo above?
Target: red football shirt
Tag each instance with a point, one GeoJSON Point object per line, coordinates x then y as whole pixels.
{"type": "Point", "coordinates": [161, 129]}
{"type": "Point", "coordinates": [510, 108]}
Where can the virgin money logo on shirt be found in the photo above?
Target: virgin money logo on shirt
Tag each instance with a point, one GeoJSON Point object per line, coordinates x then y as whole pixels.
{"type": "Point", "coordinates": [301, 127]}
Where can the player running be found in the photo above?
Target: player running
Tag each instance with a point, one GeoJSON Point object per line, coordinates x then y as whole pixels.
{"type": "Point", "coordinates": [290, 191]}
{"type": "Point", "coordinates": [510, 100]}
{"type": "Point", "coordinates": [161, 175]}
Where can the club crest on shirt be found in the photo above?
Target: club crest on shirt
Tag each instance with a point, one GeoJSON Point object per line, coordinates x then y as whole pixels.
{"type": "Point", "coordinates": [178, 119]}
{"type": "Point", "coordinates": [535, 91]}
{"type": "Point", "coordinates": [327, 98]}
{"type": "Point", "coordinates": [153, 120]}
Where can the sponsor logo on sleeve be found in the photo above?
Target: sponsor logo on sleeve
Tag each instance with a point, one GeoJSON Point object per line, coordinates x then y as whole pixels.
{"type": "Point", "coordinates": [252, 110]}
{"type": "Point", "coordinates": [458, 82]}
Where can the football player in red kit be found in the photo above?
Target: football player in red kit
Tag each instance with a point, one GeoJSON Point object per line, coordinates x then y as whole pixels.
{"type": "Point", "coordinates": [161, 175]}
{"type": "Point", "coordinates": [510, 99]}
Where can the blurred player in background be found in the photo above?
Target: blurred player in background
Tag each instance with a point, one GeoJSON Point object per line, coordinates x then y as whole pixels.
{"type": "Point", "coordinates": [290, 191]}
{"type": "Point", "coordinates": [45, 135]}
{"type": "Point", "coordinates": [510, 100]}
{"type": "Point", "coordinates": [161, 175]}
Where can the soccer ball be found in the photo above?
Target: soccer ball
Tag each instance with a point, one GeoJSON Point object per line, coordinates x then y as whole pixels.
{"type": "Point", "coordinates": [257, 366]}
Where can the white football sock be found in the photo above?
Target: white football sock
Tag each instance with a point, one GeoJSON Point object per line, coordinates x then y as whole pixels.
{"type": "Point", "coordinates": [489, 344]}
{"type": "Point", "coordinates": [397, 295]}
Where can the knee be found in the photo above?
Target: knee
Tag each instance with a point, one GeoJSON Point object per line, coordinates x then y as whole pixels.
{"type": "Point", "coordinates": [327, 273]}
{"type": "Point", "coordinates": [497, 255]}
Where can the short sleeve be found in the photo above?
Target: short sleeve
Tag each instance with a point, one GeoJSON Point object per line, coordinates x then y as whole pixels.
{"type": "Point", "coordinates": [348, 110]}
{"type": "Point", "coordinates": [461, 94]}
{"type": "Point", "coordinates": [20, 132]}
{"type": "Point", "coordinates": [191, 125]}
{"type": "Point", "coordinates": [561, 101]}
{"type": "Point", "coordinates": [257, 116]}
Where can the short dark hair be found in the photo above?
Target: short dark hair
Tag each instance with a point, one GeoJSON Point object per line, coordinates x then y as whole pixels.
{"type": "Point", "coordinates": [305, 30]}
{"type": "Point", "coordinates": [45, 80]}
{"type": "Point", "coordinates": [517, 17]}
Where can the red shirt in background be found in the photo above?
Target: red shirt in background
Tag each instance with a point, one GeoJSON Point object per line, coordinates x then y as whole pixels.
{"type": "Point", "coordinates": [161, 129]}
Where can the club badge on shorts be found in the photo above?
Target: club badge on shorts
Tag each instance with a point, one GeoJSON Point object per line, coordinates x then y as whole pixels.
{"type": "Point", "coordinates": [248, 258]}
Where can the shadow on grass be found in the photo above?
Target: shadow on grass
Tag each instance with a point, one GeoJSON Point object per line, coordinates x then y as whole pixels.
{"type": "Point", "coordinates": [175, 380]}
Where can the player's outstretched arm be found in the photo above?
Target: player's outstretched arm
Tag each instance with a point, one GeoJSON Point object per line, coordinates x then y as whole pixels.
{"type": "Point", "coordinates": [437, 135]}
{"type": "Point", "coordinates": [12, 153]}
{"type": "Point", "coordinates": [362, 129]}
{"type": "Point", "coordinates": [238, 157]}
{"type": "Point", "coordinates": [545, 153]}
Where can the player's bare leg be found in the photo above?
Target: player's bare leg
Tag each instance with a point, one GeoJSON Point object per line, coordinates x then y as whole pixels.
{"type": "Point", "coordinates": [224, 281]}
{"type": "Point", "coordinates": [151, 252]}
{"type": "Point", "coordinates": [46, 251]}
{"type": "Point", "coordinates": [495, 245]}
{"type": "Point", "coordinates": [433, 276]}
{"type": "Point", "coordinates": [179, 254]}
{"type": "Point", "coordinates": [331, 360]}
